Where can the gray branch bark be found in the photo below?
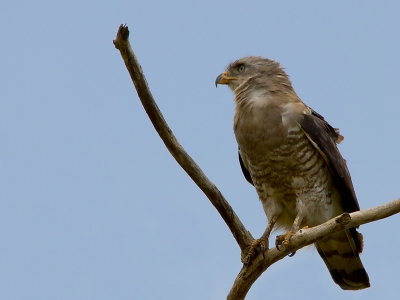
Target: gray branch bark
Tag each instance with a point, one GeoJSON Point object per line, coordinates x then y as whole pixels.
{"type": "Point", "coordinates": [304, 237]}
{"type": "Point", "coordinates": [249, 273]}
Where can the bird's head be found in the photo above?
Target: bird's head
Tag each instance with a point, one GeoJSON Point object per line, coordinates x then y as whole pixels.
{"type": "Point", "coordinates": [253, 71]}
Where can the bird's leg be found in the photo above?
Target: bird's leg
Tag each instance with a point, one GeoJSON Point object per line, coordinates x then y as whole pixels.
{"type": "Point", "coordinates": [283, 240]}
{"type": "Point", "coordinates": [261, 244]}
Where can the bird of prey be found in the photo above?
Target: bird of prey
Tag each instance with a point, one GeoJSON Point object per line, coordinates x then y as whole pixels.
{"type": "Point", "coordinates": [288, 152]}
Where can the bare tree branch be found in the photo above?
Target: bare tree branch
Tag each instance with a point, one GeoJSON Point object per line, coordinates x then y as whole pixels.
{"type": "Point", "coordinates": [249, 273]}
{"type": "Point", "coordinates": [240, 233]}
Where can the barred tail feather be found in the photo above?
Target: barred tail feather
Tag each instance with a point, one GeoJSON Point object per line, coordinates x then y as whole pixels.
{"type": "Point", "coordinates": [340, 254]}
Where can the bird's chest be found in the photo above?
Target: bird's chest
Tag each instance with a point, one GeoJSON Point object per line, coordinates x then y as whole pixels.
{"type": "Point", "coordinates": [285, 167]}
{"type": "Point", "coordinates": [289, 162]}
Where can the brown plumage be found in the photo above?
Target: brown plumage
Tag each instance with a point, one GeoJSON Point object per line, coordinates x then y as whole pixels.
{"type": "Point", "coordinates": [289, 153]}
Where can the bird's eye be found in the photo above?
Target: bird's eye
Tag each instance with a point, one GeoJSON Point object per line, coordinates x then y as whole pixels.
{"type": "Point", "coordinates": [241, 68]}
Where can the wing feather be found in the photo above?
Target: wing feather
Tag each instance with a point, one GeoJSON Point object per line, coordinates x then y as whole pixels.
{"type": "Point", "coordinates": [324, 138]}
{"type": "Point", "coordinates": [243, 166]}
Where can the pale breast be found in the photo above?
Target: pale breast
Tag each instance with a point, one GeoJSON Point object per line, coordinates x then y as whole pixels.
{"type": "Point", "coordinates": [292, 176]}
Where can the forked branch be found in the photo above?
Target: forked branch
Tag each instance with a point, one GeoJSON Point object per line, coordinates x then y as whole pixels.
{"type": "Point", "coordinates": [304, 237]}
{"type": "Point", "coordinates": [249, 274]}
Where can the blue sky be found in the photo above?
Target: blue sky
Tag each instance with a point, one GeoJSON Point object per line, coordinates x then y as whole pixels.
{"type": "Point", "coordinates": [92, 204]}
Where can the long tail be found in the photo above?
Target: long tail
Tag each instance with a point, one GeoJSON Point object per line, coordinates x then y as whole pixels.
{"type": "Point", "coordinates": [340, 254]}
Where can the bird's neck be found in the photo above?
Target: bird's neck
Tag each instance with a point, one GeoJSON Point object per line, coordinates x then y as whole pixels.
{"type": "Point", "coordinates": [267, 117]}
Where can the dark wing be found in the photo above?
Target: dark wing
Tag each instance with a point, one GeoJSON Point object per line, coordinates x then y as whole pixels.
{"type": "Point", "coordinates": [245, 171]}
{"type": "Point", "coordinates": [325, 137]}
{"type": "Point", "coordinates": [347, 271]}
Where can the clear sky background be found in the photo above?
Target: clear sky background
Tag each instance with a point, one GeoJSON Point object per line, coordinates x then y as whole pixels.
{"type": "Point", "coordinates": [93, 206]}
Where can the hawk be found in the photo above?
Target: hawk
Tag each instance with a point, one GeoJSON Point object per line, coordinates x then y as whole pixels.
{"type": "Point", "coordinates": [288, 152]}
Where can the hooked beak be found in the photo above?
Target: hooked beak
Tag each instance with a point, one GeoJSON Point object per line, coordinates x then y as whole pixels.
{"type": "Point", "coordinates": [224, 79]}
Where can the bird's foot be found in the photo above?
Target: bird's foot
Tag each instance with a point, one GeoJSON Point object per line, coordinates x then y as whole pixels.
{"type": "Point", "coordinates": [256, 247]}
{"type": "Point", "coordinates": [282, 242]}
